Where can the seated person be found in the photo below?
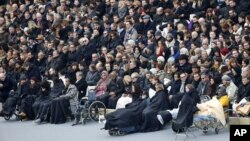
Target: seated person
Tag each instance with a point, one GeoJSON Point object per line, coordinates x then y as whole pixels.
{"type": "Point", "coordinates": [136, 89]}
{"type": "Point", "coordinates": [7, 85]}
{"type": "Point", "coordinates": [176, 98]}
{"type": "Point", "coordinates": [222, 96]}
{"type": "Point", "coordinates": [132, 92]}
{"type": "Point", "coordinates": [81, 84]}
{"type": "Point", "coordinates": [175, 86]}
{"type": "Point", "coordinates": [186, 109]}
{"type": "Point", "coordinates": [16, 97]}
{"type": "Point", "coordinates": [125, 120]}
{"type": "Point", "coordinates": [92, 78]}
{"type": "Point", "coordinates": [157, 103]}
{"type": "Point", "coordinates": [102, 84]}
{"type": "Point", "coordinates": [116, 88]}
{"type": "Point", "coordinates": [44, 95]}
{"type": "Point", "coordinates": [190, 95]}
{"type": "Point", "coordinates": [44, 106]}
{"type": "Point", "coordinates": [27, 101]}
{"type": "Point", "coordinates": [243, 92]}
{"type": "Point", "coordinates": [101, 88]}
{"type": "Point", "coordinates": [60, 105]}
{"type": "Point", "coordinates": [231, 88]}
{"type": "Point", "coordinates": [126, 97]}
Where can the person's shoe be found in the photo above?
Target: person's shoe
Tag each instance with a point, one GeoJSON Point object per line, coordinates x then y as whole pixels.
{"type": "Point", "coordinates": [159, 117]}
{"type": "Point", "coordinates": [22, 114]}
{"type": "Point", "coordinates": [38, 121]}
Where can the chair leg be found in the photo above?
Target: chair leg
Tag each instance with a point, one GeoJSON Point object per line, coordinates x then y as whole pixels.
{"type": "Point", "coordinates": [188, 130]}
{"type": "Point", "coordinates": [176, 135]}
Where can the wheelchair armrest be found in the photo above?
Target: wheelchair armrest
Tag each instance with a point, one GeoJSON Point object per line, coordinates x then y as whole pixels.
{"type": "Point", "coordinates": [84, 98]}
{"type": "Point", "coordinates": [91, 87]}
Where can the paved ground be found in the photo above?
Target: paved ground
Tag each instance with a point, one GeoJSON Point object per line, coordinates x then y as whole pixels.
{"type": "Point", "coordinates": [28, 131]}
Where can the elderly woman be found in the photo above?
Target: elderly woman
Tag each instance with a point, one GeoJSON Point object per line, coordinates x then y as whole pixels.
{"type": "Point", "coordinates": [101, 88]}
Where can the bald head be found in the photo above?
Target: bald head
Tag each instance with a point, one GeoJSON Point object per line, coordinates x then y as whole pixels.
{"type": "Point", "coordinates": [39, 17]}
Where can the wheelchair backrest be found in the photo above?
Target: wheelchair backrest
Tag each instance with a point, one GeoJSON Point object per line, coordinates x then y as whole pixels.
{"type": "Point", "coordinates": [91, 95]}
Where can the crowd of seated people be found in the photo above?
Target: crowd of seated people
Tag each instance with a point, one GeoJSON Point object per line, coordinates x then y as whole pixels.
{"type": "Point", "coordinates": [141, 57]}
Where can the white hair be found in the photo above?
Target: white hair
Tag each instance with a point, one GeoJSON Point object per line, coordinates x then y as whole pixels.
{"type": "Point", "coordinates": [184, 51]}
{"type": "Point", "coordinates": [131, 42]}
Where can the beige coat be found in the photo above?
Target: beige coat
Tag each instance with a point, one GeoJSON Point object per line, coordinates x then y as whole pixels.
{"type": "Point", "coordinates": [213, 108]}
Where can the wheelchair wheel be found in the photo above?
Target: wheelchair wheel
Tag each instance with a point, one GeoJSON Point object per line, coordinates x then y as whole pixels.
{"type": "Point", "coordinates": [205, 130]}
{"type": "Point", "coordinates": [112, 133]}
{"type": "Point", "coordinates": [96, 109]}
{"type": "Point", "coordinates": [116, 132]}
{"type": "Point", "coordinates": [7, 117]}
{"type": "Point", "coordinates": [217, 130]}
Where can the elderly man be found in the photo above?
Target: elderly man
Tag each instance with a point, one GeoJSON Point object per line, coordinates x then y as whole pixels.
{"type": "Point", "coordinates": [59, 106]}
{"type": "Point", "coordinates": [230, 86]}
{"type": "Point", "coordinates": [86, 50]}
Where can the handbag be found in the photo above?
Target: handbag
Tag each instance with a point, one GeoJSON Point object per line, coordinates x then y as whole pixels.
{"type": "Point", "coordinates": [244, 110]}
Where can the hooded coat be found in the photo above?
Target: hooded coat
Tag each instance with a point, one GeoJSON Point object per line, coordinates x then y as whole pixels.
{"type": "Point", "coordinates": [130, 116]}
{"type": "Point", "coordinates": [158, 103]}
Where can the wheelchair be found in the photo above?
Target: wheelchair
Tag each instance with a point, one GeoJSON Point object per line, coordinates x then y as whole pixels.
{"type": "Point", "coordinates": [117, 132]}
{"type": "Point", "coordinates": [12, 113]}
{"type": "Point", "coordinates": [89, 109]}
{"type": "Point", "coordinates": [13, 107]}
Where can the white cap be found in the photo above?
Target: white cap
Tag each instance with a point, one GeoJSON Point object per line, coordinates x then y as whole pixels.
{"type": "Point", "coordinates": [25, 29]}
{"type": "Point", "coordinates": [161, 58]}
{"type": "Point", "coordinates": [153, 71]}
